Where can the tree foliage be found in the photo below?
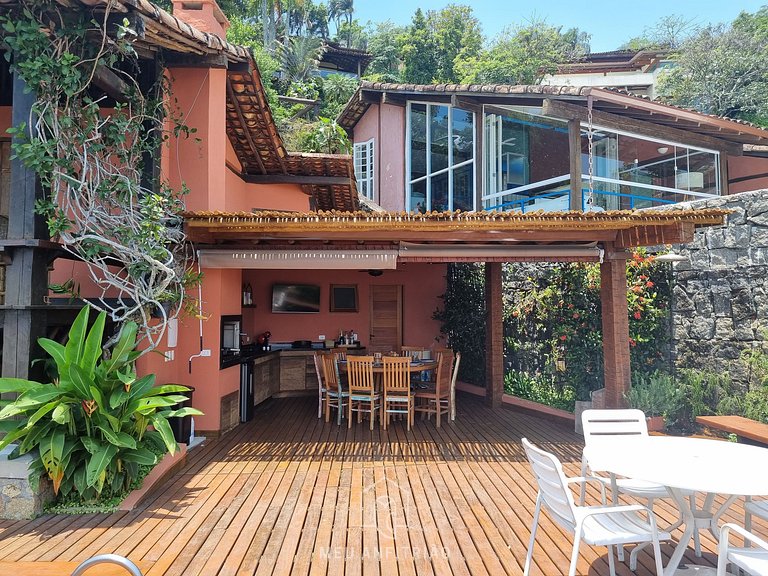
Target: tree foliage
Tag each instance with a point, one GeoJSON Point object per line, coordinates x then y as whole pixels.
{"type": "Point", "coordinates": [523, 55]}
{"type": "Point", "coordinates": [723, 70]}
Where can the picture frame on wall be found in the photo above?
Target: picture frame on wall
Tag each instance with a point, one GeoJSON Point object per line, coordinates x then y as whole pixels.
{"type": "Point", "coordinates": [344, 298]}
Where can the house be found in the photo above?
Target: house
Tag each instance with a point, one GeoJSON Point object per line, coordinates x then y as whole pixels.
{"type": "Point", "coordinates": [338, 59]}
{"type": "Point", "coordinates": [290, 262]}
{"type": "Point", "coordinates": [456, 147]}
{"type": "Point", "coordinates": [636, 71]}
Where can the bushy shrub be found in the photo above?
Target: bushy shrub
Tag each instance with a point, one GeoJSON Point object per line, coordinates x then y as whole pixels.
{"type": "Point", "coordinates": [89, 427]}
{"type": "Point", "coordinates": [540, 388]}
{"type": "Point", "coordinates": [656, 393]}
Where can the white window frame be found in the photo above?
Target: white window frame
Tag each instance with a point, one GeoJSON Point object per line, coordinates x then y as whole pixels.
{"type": "Point", "coordinates": [451, 167]}
{"type": "Point", "coordinates": [365, 149]}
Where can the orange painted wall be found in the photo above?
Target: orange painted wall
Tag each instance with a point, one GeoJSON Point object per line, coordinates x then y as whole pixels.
{"type": "Point", "coordinates": [386, 125]}
{"type": "Point", "coordinates": [199, 160]}
{"type": "Point", "coordinates": [422, 286]}
{"type": "Point", "coordinates": [739, 166]}
{"type": "Point", "coordinates": [244, 197]}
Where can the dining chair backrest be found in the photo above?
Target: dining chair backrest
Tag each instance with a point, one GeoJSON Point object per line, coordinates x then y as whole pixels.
{"type": "Point", "coordinates": [330, 372]}
{"type": "Point", "coordinates": [608, 424]}
{"type": "Point", "coordinates": [397, 373]}
{"type": "Point", "coordinates": [360, 373]}
{"type": "Point", "coordinates": [444, 371]}
{"type": "Point", "coordinates": [552, 484]}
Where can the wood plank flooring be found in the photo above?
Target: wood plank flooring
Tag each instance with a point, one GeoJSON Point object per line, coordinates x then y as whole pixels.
{"type": "Point", "coordinates": [290, 494]}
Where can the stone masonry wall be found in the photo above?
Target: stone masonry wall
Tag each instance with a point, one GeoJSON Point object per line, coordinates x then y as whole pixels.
{"type": "Point", "coordinates": [720, 293]}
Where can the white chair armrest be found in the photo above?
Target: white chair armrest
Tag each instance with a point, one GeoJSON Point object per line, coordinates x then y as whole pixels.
{"type": "Point", "coordinates": [725, 529]}
{"type": "Point", "coordinates": [586, 479]}
{"type": "Point", "coordinates": [594, 510]}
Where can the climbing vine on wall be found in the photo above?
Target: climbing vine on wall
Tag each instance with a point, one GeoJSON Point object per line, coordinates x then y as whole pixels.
{"type": "Point", "coordinates": [90, 154]}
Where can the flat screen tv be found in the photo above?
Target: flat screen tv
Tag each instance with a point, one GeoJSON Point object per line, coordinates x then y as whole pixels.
{"type": "Point", "coordinates": [301, 298]}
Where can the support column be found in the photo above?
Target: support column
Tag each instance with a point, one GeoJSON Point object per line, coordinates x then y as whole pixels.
{"type": "Point", "coordinates": [613, 299]}
{"type": "Point", "coordinates": [494, 335]}
{"type": "Point", "coordinates": [574, 153]}
{"type": "Point", "coordinates": [27, 274]}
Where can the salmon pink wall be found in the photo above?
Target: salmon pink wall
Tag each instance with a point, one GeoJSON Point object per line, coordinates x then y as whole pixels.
{"type": "Point", "coordinates": [422, 286]}
{"type": "Point", "coordinates": [739, 166]}
{"type": "Point", "coordinates": [244, 197]}
{"type": "Point", "coordinates": [386, 125]}
{"type": "Point", "coordinates": [199, 160]}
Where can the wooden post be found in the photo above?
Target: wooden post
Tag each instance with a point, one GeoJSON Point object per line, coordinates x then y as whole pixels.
{"type": "Point", "coordinates": [494, 335]}
{"type": "Point", "coordinates": [25, 318]}
{"type": "Point", "coordinates": [574, 153]}
{"type": "Point", "coordinates": [613, 298]}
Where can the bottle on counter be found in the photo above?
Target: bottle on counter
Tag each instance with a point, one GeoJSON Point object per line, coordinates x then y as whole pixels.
{"type": "Point", "coordinates": [248, 294]}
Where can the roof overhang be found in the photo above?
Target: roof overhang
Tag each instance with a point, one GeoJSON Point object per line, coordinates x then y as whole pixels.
{"type": "Point", "coordinates": [332, 237]}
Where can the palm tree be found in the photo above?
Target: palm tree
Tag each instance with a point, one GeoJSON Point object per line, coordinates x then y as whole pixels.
{"type": "Point", "coordinates": [342, 8]}
{"type": "Point", "coordinates": [299, 57]}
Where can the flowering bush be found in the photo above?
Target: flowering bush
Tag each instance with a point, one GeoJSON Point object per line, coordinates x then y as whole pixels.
{"type": "Point", "coordinates": [554, 321]}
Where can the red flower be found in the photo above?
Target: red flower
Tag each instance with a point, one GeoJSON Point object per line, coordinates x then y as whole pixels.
{"type": "Point", "coordinates": [649, 284]}
{"type": "Point", "coordinates": [638, 315]}
{"type": "Point", "coordinates": [563, 337]}
{"type": "Point", "coordinates": [632, 342]}
{"type": "Point", "coordinates": [575, 315]}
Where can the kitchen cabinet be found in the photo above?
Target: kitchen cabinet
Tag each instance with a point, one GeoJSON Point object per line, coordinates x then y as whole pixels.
{"type": "Point", "coordinates": [266, 378]}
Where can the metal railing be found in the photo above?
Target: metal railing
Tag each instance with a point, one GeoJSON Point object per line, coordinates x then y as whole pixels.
{"type": "Point", "coordinates": [129, 566]}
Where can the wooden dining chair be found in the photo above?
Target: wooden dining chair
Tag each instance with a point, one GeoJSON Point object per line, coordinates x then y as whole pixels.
{"type": "Point", "coordinates": [334, 391]}
{"type": "Point", "coordinates": [397, 389]}
{"type": "Point", "coordinates": [435, 398]}
{"type": "Point", "coordinates": [454, 376]}
{"type": "Point", "coordinates": [321, 389]}
{"type": "Point", "coordinates": [362, 390]}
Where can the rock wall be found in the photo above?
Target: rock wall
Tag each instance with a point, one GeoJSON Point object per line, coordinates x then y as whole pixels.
{"type": "Point", "coordinates": [720, 293]}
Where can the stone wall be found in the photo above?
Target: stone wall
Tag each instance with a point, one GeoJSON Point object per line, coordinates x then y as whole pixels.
{"type": "Point", "coordinates": [720, 294]}
{"type": "Point", "coordinates": [18, 500]}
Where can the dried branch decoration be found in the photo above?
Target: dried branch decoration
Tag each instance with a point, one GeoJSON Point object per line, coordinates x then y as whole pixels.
{"type": "Point", "coordinates": [91, 159]}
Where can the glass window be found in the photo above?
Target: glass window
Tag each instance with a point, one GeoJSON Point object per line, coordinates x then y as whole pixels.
{"type": "Point", "coordinates": [442, 179]}
{"type": "Point", "coordinates": [630, 171]}
{"type": "Point", "coordinates": [525, 160]}
{"type": "Point", "coordinates": [363, 158]}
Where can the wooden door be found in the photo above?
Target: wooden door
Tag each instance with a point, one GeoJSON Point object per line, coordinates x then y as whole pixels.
{"type": "Point", "coordinates": [386, 318]}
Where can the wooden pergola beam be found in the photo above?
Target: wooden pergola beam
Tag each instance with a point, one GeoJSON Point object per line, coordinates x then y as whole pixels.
{"type": "Point", "coordinates": [295, 179]}
{"type": "Point", "coordinates": [567, 111]}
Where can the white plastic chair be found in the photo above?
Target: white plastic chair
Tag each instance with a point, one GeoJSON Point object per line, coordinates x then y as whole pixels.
{"type": "Point", "coordinates": [752, 560]}
{"type": "Point", "coordinates": [757, 507]}
{"type": "Point", "coordinates": [601, 425]}
{"type": "Point", "coordinates": [595, 525]}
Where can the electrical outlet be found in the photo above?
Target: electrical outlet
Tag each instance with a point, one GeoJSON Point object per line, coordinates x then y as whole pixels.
{"type": "Point", "coordinates": [205, 353]}
{"type": "Point", "coordinates": [169, 355]}
{"type": "Point", "coordinates": [321, 337]}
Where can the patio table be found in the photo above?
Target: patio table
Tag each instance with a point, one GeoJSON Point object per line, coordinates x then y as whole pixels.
{"type": "Point", "coordinates": [709, 466]}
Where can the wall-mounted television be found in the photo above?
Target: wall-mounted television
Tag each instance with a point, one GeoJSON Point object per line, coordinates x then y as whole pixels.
{"type": "Point", "coordinates": [301, 298]}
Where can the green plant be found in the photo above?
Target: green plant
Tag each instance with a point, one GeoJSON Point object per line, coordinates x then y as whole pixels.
{"type": "Point", "coordinates": [656, 393]}
{"type": "Point", "coordinates": [90, 425]}
{"type": "Point", "coordinates": [553, 313]}
{"type": "Point", "coordinates": [540, 388]}
{"type": "Point", "coordinates": [325, 136]}
{"type": "Point", "coordinates": [462, 318]}
{"type": "Point", "coordinates": [701, 393]}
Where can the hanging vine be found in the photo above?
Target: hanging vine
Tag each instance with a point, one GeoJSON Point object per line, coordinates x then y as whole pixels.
{"type": "Point", "coordinates": [90, 154]}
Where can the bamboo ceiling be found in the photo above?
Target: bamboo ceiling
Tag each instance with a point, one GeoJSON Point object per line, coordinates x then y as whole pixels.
{"type": "Point", "coordinates": [626, 228]}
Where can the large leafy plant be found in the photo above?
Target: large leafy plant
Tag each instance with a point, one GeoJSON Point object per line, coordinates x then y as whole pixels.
{"type": "Point", "coordinates": [91, 425]}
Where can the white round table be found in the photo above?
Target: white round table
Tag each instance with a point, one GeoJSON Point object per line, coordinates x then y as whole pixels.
{"type": "Point", "coordinates": [709, 466]}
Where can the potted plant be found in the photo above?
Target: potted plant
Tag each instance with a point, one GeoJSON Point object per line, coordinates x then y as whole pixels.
{"type": "Point", "coordinates": [656, 395]}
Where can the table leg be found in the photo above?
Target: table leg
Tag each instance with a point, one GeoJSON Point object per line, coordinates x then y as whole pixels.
{"type": "Point", "coordinates": [690, 525]}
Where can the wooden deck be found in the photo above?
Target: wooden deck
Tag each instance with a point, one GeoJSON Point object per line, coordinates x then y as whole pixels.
{"type": "Point", "coordinates": [290, 494]}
